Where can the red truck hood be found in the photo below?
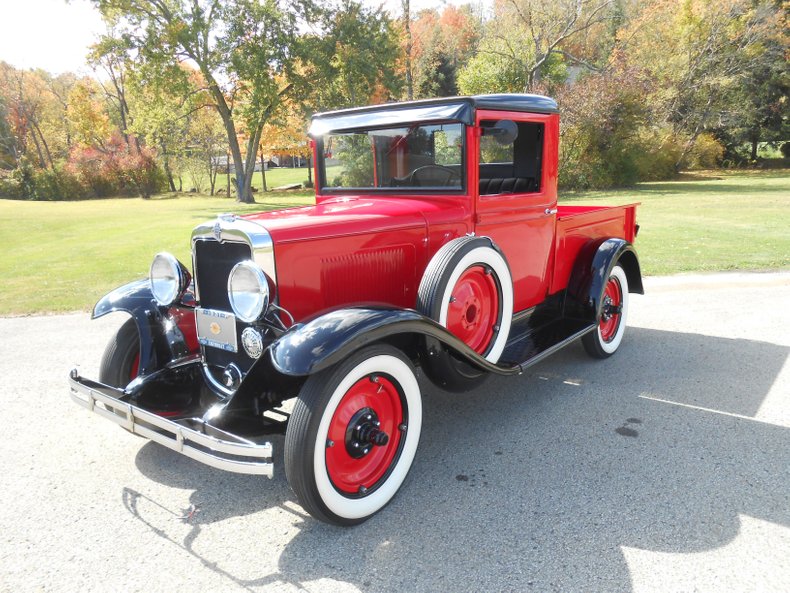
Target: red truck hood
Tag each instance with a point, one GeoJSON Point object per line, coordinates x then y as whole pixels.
{"type": "Point", "coordinates": [344, 216]}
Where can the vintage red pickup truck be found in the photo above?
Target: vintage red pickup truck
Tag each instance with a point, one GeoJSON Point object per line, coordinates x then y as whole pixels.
{"type": "Point", "coordinates": [436, 242]}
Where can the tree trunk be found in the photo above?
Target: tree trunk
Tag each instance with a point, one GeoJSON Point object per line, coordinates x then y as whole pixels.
{"type": "Point", "coordinates": [244, 181]}
{"type": "Point", "coordinates": [227, 171]}
{"type": "Point", "coordinates": [41, 161]}
{"type": "Point", "coordinates": [46, 146]}
{"type": "Point", "coordinates": [212, 174]}
{"type": "Point", "coordinates": [263, 172]}
{"type": "Point", "coordinates": [406, 5]}
{"type": "Point", "coordinates": [166, 166]}
{"type": "Point", "coordinates": [310, 170]}
{"type": "Point", "coordinates": [755, 141]}
{"type": "Point", "coordinates": [233, 143]}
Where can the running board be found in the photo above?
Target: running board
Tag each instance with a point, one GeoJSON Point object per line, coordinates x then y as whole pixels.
{"type": "Point", "coordinates": [528, 346]}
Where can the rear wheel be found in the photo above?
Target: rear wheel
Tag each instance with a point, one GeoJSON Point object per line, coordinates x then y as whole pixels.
{"type": "Point", "coordinates": [353, 435]}
{"type": "Point", "coordinates": [605, 340]}
{"type": "Point", "coordinates": [121, 360]}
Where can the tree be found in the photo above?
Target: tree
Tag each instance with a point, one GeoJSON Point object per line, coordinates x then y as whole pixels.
{"type": "Point", "coordinates": [440, 43]}
{"type": "Point", "coordinates": [31, 116]}
{"type": "Point", "coordinates": [111, 55]}
{"type": "Point", "coordinates": [529, 38]}
{"type": "Point", "coordinates": [758, 108]}
{"type": "Point", "coordinates": [206, 137]}
{"type": "Point", "coordinates": [699, 58]}
{"type": "Point", "coordinates": [356, 58]}
{"type": "Point", "coordinates": [88, 119]}
{"type": "Point", "coordinates": [242, 48]}
{"type": "Point", "coordinates": [287, 137]}
{"type": "Point", "coordinates": [60, 86]}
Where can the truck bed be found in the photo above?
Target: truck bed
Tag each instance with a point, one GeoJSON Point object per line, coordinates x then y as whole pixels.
{"type": "Point", "coordinates": [577, 226]}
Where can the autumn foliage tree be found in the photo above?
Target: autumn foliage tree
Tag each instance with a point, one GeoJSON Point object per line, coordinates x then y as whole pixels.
{"type": "Point", "coordinates": [441, 44]}
{"type": "Point", "coordinates": [239, 46]}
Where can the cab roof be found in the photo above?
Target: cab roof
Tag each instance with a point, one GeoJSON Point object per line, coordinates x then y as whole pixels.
{"type": "Point", "coordinates": [460, 109]}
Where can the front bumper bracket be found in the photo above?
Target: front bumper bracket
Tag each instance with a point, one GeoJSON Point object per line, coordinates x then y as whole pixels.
{"type": "Point", "coordinates": [193, 437]}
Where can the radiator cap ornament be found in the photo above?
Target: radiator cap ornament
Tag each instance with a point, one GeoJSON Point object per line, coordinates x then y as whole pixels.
{"type": "Point", "coordinates": [252, 341]}
{"type": "Point", "coordinates": [217, 231]}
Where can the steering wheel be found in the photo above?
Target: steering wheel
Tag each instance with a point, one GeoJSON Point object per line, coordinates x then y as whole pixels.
{"type": "Point", "coordinates": [438, 175]}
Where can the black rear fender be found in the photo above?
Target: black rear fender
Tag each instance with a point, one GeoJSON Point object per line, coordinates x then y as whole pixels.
{"type": "Point", "coordinates": [591, 272]}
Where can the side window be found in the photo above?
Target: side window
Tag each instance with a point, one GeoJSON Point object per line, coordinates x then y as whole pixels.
{"type": "Point", "coordinates": [511, 167]}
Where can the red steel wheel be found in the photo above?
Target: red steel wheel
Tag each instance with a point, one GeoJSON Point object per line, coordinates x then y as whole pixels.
{"type": "Point", "coordinates": [468, 289]}
{"type": "Point", "coordinates": [604, 341]}
{"type": "Point", "coordinates": [612, 303]}
{"type": "Point", "coordinates": [473, 311]}
{"type": "Point", "coordinates": [353, 435]}
{"type": "Point", "coordinates": [371, 409]}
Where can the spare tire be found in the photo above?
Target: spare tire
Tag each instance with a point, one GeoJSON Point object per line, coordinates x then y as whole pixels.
{"type": "Point", "coordinates": [467, 288]}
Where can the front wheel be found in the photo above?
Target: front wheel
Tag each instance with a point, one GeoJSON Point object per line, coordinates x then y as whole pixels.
{"type": "Point", "coordinates": [605, 340]}
{"type": "Point", "coordinates": [121, 360]}
{"type": "Point", "coordinates": [353, 435]}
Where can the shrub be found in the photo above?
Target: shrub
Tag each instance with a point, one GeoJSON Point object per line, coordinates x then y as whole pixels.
{"type": "Point", "coordinates": [96, 170]}
{"type": "Point", "coordinates": [139, 171]}
{"type": "Point", "coordinates": [9, 186]}
{"type": "Point", "coordinates": [606, 136]}
{"type": "Point", "coordinates": [707, 153]}
{"type": "Point", "coordinates": [117, 169]}
{"type": "Point", "coordinates": [658, 154]}
{"type": "Point", "coordinates": [57, 184]}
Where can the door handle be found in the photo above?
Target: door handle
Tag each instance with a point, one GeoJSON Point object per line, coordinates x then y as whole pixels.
{"type": "Point", "coordinates": [550, 211]}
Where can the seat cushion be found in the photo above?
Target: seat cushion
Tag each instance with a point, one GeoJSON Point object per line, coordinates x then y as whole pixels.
{"type": "Point", "coordinates": [504, 185]}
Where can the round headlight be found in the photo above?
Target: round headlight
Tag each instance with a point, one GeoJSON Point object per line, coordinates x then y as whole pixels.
{"type": "Point", "coordinates": [168, 278]}
{"type": "Point", "coordinates": [248, 291]}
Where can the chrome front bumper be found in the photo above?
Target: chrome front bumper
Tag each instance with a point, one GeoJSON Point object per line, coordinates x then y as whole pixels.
{"type": "Point", "coordinates": [187, 436]}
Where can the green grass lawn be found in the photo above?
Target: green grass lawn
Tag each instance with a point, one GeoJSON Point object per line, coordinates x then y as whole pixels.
{"type": "Point", "coordinates": [276, 177]}
{"type": "Point", "coordinates": [708, 221]}
{"type": "Point", "coordinates": [62, 256]}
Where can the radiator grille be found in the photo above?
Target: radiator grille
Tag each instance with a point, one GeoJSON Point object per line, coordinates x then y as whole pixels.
{"type": "Point", "coordinates": [213, 263]}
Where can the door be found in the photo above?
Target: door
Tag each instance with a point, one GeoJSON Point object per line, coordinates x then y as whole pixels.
{"type": "Point", "coordinates": [517, 198]}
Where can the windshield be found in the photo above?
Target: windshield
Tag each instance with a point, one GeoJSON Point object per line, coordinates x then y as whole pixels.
{"type": "Point", "coordinates": [428, 157]}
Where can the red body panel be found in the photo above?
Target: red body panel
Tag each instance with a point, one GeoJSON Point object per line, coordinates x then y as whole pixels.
{"type": "Point", "coordinates": [358, 249]}
{"type": "Point", "coordinates": [354, 249]}
{"type": "Point", "coordinates": [185, 320]}
{"type": "Point", "coordinates": [578, 225]}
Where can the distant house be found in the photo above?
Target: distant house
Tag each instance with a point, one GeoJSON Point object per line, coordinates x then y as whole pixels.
{"type": "Point", "coordinates": [225, 165]}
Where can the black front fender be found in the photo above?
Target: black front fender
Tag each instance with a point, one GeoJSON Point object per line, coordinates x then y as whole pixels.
{"type": "Point", "coordinates": [161, 340]}
{"type": "Point", "coordinates": [326, 340]}
{"type": "Point", "coordinates": [591, 272]}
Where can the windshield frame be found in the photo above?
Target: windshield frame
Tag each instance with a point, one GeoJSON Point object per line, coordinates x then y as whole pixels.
{"type": "Point", "coordinates": [324, 189]}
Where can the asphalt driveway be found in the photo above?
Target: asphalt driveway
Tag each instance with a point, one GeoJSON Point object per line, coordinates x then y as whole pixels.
{"type": "Point", "coordinates": [665, 468]}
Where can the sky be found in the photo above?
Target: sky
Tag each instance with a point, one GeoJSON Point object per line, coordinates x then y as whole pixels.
{"type": "Point", "coordinates": [55, 35]}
